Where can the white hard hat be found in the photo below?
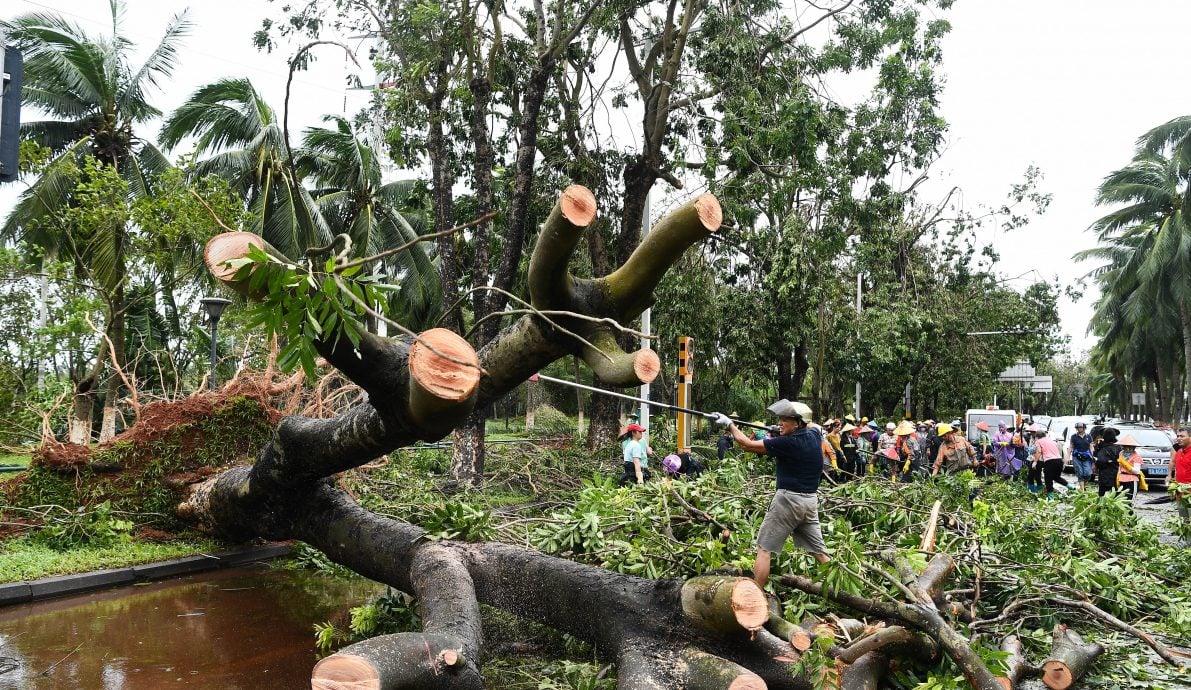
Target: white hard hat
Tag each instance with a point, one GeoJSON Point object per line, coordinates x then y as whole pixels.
{"type": "Point", "coordinates": [890, 426]}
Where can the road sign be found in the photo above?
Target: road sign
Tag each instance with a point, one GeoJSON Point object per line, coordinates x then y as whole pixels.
{"type": "Point", "coordinates": [1041, 384]}
{"type": "Point", "coordinates": [1022, 371]}
{"type": "Point", "coordinates": [1139, 398]}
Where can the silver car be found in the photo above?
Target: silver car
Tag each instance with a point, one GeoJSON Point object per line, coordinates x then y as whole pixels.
{"type": "Point", "coordinates": [1154, 450]}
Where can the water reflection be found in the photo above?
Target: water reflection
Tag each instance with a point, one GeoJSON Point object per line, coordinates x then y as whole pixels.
{"type": "Point", "coordinates": [240, 629]}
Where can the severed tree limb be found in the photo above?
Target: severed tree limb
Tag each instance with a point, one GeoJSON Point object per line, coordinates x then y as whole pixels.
{"type": "Point", "coordinates": [616, 367]}
{"type": "Point", "coordinates": [725, 533]}
{"type": "Point", "coordinates": [703, 671]}
{"type": "Point", "coordinates": [1106, 617]}
{"type": "Point", "coordinates": [932, 526]}
{"type": "Point", "coordinates": [444, 654]}
{"type": "Point", "coordinates": [631, 286]}
{"type": "Point", "coordinates": [894, 634]}
{"type": "Point", "coordinates": [917, 615]}
{"type": "Point", "coordinates": [1070, 658]}
{"type": "Point", "coordinates": [865, 673]}
{"type": "Point", "coordinates": [933, 577]}
{"type": "Point", "coordinates": [404, 661]}
{"type": "Point", "coordinates": [550, 282]}
{"type": "Point", "coordinates": [1017, 666]}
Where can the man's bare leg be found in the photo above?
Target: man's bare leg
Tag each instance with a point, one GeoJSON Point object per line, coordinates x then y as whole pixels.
{"type": "Point", "coordinates": [761, 568]}
{"type": "Point", "coordinates": [822, 558]}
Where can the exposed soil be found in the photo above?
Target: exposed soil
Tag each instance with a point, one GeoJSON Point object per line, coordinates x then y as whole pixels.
{"type": "Point", "coordinates": [146, 469]}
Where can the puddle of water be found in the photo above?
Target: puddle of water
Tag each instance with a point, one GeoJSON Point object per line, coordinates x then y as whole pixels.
{"type": "Point", "coordinates": [238, 629]}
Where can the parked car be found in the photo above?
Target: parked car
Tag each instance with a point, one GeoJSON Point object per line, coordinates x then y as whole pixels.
{"type": "Point", "coordinates": [1154, 449]}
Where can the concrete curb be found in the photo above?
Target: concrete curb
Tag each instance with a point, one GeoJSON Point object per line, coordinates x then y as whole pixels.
{"type": "Point", "coordinates": [62, 585]}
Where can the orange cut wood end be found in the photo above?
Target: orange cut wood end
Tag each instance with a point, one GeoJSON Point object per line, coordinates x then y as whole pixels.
{"type": "Point", "coordinates": [747, 681]}
{"type": "Point", "coordinates": [646, 365]}
{"type": "Point", "coordinates": [449, 657]}
{"type": "Point", "coordinates": [749, 604]}
{"type": "Point", "coordinates": [344, 672]}
{"type": "Point", "coordinates": [1005, 682]}
{"type": "Point", "coordinates": [578, 205]}
{"type": "Point", "coordinates": [225, 247]}
{"type": "Point", "coordinates": [1057, 675]}
{"type": "Point", "coordinates": [801, 640]}
{"type": "Point", "coordinates": [439, 376]}
{"type": "Point", "coordinates": [710, 213]}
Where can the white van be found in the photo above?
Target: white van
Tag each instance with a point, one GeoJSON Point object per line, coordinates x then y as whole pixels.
{"type": "Point", "coordinates": [993, 417]}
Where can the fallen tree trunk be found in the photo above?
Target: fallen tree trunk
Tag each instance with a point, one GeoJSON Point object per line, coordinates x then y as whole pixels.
{"type": "Point", "coordinates": [704, 633]}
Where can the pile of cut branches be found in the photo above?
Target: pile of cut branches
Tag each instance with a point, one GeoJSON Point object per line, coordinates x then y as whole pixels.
{"type": "Point", "coordinates": [951, 583]}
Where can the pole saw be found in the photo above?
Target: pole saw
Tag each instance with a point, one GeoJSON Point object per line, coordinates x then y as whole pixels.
{"type": "Point", "coordinates": [643, 401]}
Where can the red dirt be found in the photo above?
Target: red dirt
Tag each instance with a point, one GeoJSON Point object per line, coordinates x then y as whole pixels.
{"type": "Point", "coordinates": [156, 420]}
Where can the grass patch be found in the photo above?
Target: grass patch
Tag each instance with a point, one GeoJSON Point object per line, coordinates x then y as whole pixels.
{"type": "Point", "coordinates": [21, 459]}
{"type": "Point", "coordinates": [21, 559]}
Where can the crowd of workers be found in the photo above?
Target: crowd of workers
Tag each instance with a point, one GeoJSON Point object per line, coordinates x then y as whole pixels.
{"type": "Point", "coordinates": [845, 449]}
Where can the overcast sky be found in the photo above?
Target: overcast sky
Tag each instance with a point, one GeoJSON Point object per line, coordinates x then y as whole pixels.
{"type": "Point", "coordinates": [1065, 86]}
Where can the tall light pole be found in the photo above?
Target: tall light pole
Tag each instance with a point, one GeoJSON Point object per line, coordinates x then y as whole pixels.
{"type": "Point", "coordinates": [859, 313]}
{"type": "Point", "coordinates": [214, 307]}
{"type": "Point", "coordinates": [643, 413]}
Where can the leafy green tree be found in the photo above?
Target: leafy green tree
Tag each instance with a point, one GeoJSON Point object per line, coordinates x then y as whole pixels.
{"type": "Point", "coordinates": [93, 97]}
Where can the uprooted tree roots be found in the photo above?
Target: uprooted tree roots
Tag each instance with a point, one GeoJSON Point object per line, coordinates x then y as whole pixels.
{"type": "Point", "coordinates": [707, 632]}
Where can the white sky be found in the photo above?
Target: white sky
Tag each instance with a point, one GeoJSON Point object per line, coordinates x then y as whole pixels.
{"type": "Point", "coordinates": [1065, 86]}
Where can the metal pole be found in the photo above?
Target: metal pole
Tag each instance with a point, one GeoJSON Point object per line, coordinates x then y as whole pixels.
{"type": "Point", "coordinates": [650, 403]}
{"type": "Point", "coordinates": [644, 412]}
{"type": "Point", "coordinates": [859, 311]}
{"type": "Point", "coordinates": [214, 354]}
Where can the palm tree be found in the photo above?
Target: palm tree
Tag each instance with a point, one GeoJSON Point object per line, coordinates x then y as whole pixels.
{"type": "Point", "coordinates": [242, 139]}
{"type": "Point", "coordinates": [93, 99]}
{"type": "Point", "coordinates": [1147, 246]}
{"type": "Point", "coordinates": [354, 199]}
{"type": "Point", "coordinates": [244, 143]}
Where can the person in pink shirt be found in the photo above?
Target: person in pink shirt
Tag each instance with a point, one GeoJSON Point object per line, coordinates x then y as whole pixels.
{"type": "Point", "coordinates": [1050, 455]}
{"type": "Point", "coordinates": [1128, 467]}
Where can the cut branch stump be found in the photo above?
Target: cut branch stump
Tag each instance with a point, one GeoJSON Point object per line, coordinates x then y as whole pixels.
{"type": "Point", "coordinates": [1070, 658]}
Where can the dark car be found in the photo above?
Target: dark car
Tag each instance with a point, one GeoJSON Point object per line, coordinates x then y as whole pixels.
{"type": "Point", "coordinates": [1154, 449]}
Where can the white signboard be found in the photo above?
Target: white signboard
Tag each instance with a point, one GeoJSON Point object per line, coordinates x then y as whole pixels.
{"type": "Point", "coordinates": [1022, 371]}
{"type": "Point", "coordinates": [1139, 398]}
{"type": "Point", "coordinates": [1041, 384]}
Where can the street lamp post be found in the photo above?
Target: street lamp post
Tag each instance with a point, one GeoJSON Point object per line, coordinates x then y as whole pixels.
{"type": "Point", "coordinates": [214, 307]}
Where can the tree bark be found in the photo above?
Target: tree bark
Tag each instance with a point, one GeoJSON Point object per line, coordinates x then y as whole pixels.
{"type": "Point", "coordinates": [115, 333]}
{"type": "Point", "coordinates": [865, 673]}
{"type": "Point", "coordinates": [1016, 664]}
{"type": "Point", "coordinates": [442, 181]}
{"type": "Point", "coordinates": [80, 422]}
{"type": "Point", "coordinates": [1070, 658]}
{"type": "Point", "coordinates": [83, 409]}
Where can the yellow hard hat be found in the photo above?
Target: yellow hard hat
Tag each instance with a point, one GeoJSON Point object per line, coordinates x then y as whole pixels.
{"type": "Point", "coordinates": [944, 428]}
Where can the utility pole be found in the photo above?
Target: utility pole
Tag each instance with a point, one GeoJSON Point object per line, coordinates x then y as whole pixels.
{"type": "Point", "coordinates": [645, 344]}
{"type": "Point", "coordinates": [859, 312]}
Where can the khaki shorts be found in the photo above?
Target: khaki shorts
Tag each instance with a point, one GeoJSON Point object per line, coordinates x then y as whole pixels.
{"type": "Point", "coordinates": [792, 514]}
